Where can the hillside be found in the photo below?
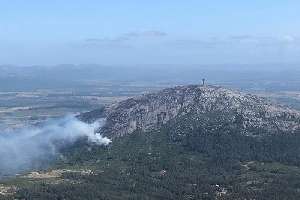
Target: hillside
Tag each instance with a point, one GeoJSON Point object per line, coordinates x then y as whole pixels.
{"type": "Point", "coordinates": [187, 142]}
{"type": "Point", "coordinates": [252, 114]}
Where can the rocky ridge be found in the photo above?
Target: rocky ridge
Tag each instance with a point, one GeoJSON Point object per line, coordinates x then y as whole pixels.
{"type": "Point", "coordinates": [151, 111]}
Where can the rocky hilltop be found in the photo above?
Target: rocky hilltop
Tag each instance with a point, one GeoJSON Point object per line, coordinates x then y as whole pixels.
{"type": "Point", "coordinates": [253, 115]}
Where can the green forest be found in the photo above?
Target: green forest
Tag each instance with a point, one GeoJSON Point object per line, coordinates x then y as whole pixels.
{"type": "Point", "coordinates": [195, 164]}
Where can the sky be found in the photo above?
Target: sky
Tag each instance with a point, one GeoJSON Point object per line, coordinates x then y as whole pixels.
{"type": "Point", "coordinates": [129, 32]}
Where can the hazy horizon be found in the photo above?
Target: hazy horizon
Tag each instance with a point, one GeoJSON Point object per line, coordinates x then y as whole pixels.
{"type": "Point", "coordinates": [131, 32]}
{"type": "Point", "coordinates": [276, 66]}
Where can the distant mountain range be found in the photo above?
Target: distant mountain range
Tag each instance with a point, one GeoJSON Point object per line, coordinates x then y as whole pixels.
{"type": "Point", "coordinates": [248, 77]}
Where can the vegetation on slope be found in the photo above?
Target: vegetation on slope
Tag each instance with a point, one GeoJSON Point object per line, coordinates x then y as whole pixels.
{"type": "Point", "coordinates": [161, 165]}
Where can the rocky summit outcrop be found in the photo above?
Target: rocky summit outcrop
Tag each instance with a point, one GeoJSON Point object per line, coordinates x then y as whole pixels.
{"type": "Point", "coordinates": [151, 111]}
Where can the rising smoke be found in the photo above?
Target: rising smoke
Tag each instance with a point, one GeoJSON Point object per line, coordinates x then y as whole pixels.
{"type": "Point", "coordinates": [22, 149]}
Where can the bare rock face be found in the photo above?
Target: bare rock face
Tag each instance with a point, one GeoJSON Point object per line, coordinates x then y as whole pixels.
{"type": "Point", "coordinates": [151, 111]}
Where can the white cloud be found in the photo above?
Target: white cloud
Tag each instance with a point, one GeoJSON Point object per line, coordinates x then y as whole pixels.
{"type": "Point", "coordinates": [125, 39]}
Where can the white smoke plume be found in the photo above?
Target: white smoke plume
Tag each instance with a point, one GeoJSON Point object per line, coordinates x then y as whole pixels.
{"type": "Point", "coordinates": [22, 149]}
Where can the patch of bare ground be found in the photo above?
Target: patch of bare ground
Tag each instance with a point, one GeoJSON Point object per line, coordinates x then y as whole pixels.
{"type": "Point", "coordinates": [246, 165]}
{"type": "Point", "coordinates": [55, 173]}
{"type": "Point", "coordinates": [7, 190]}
